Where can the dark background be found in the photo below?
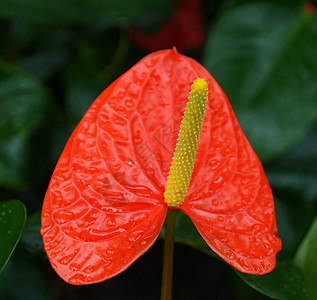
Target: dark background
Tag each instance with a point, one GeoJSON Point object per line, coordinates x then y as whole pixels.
{"type": "Point", "coordinates": [56, 57]}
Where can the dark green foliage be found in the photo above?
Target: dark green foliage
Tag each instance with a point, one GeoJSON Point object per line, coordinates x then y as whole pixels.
{"type": "Point", "coordinates": [56, 57]}
{"type": "Point", "coordinates": [262, 54]}
{"type": "Point", "coordinates": [12, 220]}
{"type": "Point", "coordinates": [285, 282]}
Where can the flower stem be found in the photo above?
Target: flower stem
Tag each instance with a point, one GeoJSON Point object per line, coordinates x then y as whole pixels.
{"type": "Point", "coordinates": [167, 277]}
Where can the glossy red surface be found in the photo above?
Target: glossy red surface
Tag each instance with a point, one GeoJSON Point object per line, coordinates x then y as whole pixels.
{"type": "Point", "coordinates": [104, 206]}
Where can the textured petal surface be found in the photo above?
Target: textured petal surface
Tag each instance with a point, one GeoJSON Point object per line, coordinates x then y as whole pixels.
{"type": "Point", "coordinates": [104, 206]}
{"type": "Point", "coordinates": [229, 199]}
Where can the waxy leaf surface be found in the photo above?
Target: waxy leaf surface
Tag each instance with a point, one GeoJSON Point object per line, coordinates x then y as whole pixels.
{"type": "Point", "coordinates": [105, 206]}
{"type": "Point", "coordinates": [12, 221]}
{"type": "Point", "coordinates": [285, 282]}
{"type": "Point", "coordinates": [26, 113]}
{"type": "Point", "coordinates": [306, 258]}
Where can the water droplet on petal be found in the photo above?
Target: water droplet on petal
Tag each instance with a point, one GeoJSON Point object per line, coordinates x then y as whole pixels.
{"type": "Point", "coordinates": [218, 179]}
{"type": "Point", "coordinates": [142, 191]}
{"type": "Point", "coordinates": [214, 164]}
{"type": "Point", "coordinates": [129, 102]}
{"type": "Point", "coordinates": [77, 279]}
{"type": "Point", "coordinates": [266, 265]}
{"type": "Point", "coordinates": [214, 202]}
{"type": "Point", "coordinates": [135, 236]}
{"type": "Point", "coordinates": [89, 269]}
{"type": "Point", "coordinates": [256, 268]}
{"type": "Point", "coordinates": [117, 167]}
{"type": "Point", "coordinates": [110, 251]}
{"type": "Point", "coordinates": [63, 216]}
{"type": "Point", "coordinates": [138, 139]}
{"type": "Point", "coordinates": [238, 206]}
{"type": "Point", "coordinates": [150, 171]}
{"type": "Point", "coordinates": [230, 254]}
{"type": "Point", "coordinates": [111, 223]}
{"type": "Point", "coordinates": [75, 267]}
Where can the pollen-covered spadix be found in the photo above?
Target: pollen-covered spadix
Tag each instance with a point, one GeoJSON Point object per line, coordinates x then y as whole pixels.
{"type": "Point", "coordinates": [187, 143]}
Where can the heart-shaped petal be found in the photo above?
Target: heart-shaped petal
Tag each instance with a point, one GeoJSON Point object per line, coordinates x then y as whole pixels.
{"type": "Point", "coordinates": [105, 207]}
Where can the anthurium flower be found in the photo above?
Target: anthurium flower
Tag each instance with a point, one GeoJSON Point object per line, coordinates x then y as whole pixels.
{"type": "Point", "coordinates": [108, 196]}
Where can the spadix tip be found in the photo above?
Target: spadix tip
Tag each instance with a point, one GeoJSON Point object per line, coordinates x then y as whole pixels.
{"type": "Point", "coordinates": [200, 86]}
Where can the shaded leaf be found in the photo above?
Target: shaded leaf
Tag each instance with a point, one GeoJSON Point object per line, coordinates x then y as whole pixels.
{"type": "Point", "coordinates": [31, 238]}
{"type": "Point", "coordinates": [44, 63]}
{"type": "Point", "coordinates": [26, 116]}
{"type": "Point", "coordinates": [12, 220]}
{"type": "Point", "coordinates": [79, 95]}
{"type": "Point", "coordinates": [306, 259]}
{"type": "Point", "coordinates": [291, 225]}
{"type": "Point", "coordinates": [101, 59]}
{"type": "Point", "coordinates": [23, 278]}
{"type": "Point", "coordinates": [263, 55]}
{"type": "Point", "coordinates": [79, 12]}
{"type": "Point", "coordinates": [295, 170]}
{"type": "Point", "coordinates": [285, 282]}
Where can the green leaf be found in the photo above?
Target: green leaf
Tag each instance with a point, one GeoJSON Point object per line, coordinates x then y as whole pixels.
{"type": "Point", "coordinates": [26, 119]}
{"type": "Point", "coordinates": [31, 238]}
{"type": "Point", "coordinates": [12, 220]}
{"type": "Point", "coordinates": [79, 96]}
{"type": "Point", "coordinates": [298, 177]}
{"type": "Point", "coordinates": [25, 278]}
{"type": "Point", "coordinates": [285, 282]}
{"type": "Point", "coordinates": [306, 259]}
{"type": "Point", "coordinates": [96, 65]}
{"type": "Point", "coordinates": [291, 224]}
{"type": "Point", "coordinates": [44, 63]}
{"type": "Point", "coordinates": [262, 53]}
{"type": "Point", "coordinates": [80, 12]}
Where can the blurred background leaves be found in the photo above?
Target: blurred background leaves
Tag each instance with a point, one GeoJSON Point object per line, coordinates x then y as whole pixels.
{"type": "Point", "coordinates": [56, 57]}
{"type": "Point", "coordinates": [267, 47]}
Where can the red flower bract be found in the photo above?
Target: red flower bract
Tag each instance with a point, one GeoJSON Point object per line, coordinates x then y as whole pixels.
{"type": "Point", "coordinates": [104, 206]}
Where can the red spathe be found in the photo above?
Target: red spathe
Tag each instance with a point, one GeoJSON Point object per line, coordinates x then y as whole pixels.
{"type": "Point", "coordinates": [104, 206]}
